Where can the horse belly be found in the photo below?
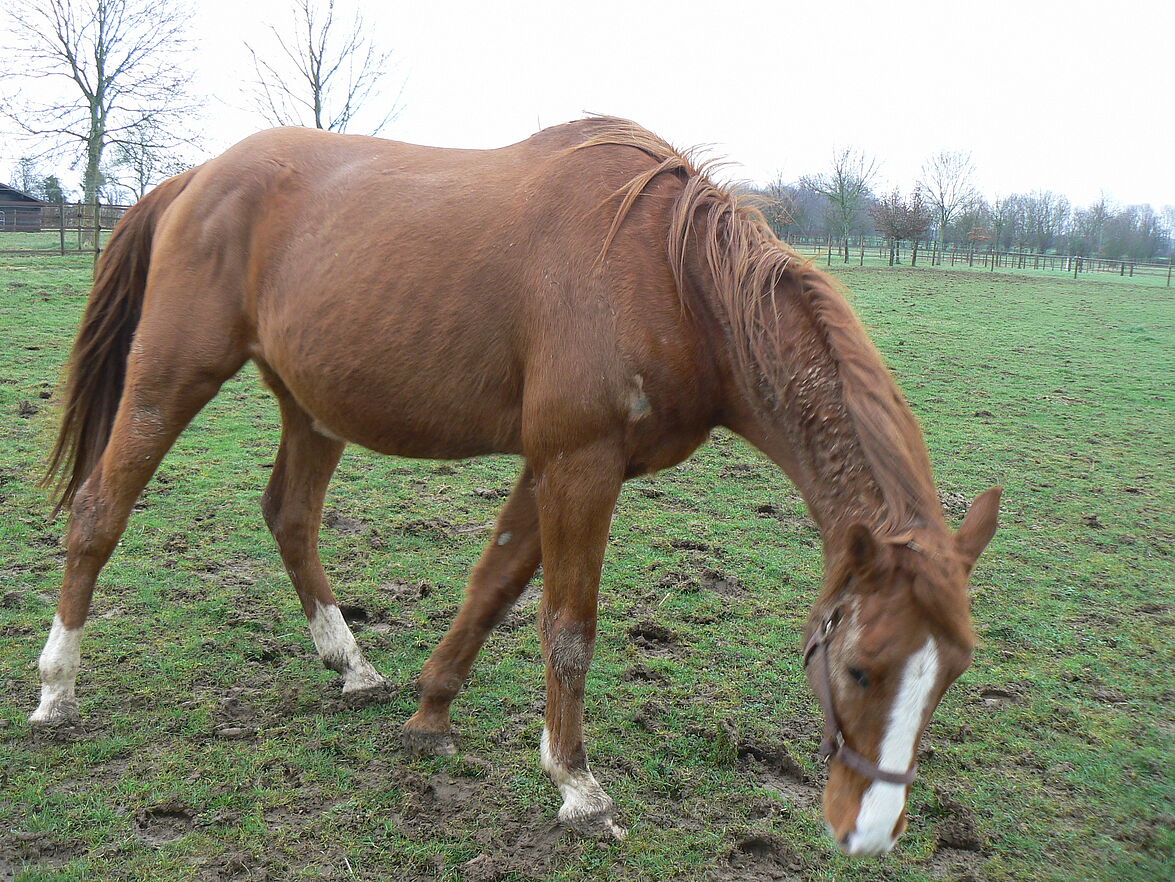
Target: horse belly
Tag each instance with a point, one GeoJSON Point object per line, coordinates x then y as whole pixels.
{"type": "Point", "coordinates": [396, 395]}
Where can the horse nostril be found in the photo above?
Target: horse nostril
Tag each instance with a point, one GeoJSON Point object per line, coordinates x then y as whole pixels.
{"type": "Point", "coordinates": [844, 841]}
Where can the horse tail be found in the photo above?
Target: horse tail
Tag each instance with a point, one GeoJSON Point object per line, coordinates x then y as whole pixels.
{"type": "Point", "coordinates": [97, 364]}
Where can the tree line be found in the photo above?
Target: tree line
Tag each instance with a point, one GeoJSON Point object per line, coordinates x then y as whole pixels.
{"type": "Point", "coordinates": [946, 208]}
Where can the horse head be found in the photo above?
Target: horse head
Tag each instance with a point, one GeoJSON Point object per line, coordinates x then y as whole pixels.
{"type": "Point", "coordinates": [890, 634]}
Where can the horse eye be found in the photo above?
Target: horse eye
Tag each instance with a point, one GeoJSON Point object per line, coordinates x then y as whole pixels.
{"type": "Point", "coordinates": [860, 676]}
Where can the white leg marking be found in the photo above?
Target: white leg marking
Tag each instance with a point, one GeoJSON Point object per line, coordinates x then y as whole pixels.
{"type": "Point", "coordinates": [339, 651]}
{"type": "Point", "coordinates": [583, 797]}
{"type": "Point", "coordinates": [59, 670]}
{"type": "Point", "coordinates": [883, 802]}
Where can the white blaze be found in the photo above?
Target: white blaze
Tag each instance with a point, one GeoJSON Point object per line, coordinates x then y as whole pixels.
{"type": "Point", "coordinates": [882, 804]}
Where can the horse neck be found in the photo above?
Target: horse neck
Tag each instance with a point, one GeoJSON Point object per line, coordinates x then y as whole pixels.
{"type": "Point", "coordinates": [816, 398]}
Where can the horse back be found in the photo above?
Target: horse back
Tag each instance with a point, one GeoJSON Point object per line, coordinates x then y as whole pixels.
{"type": "Point", "coordinates": [447, 303]}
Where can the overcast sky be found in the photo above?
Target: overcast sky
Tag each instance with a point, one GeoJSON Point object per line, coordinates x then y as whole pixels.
{"type": "Point", "coordinates": [1074, 97]}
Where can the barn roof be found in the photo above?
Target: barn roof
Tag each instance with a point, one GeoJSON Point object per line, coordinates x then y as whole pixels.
{"type": "Point", "coordinates": [11, 194]}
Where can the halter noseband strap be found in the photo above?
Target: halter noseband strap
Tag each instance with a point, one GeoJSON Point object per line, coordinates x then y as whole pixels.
{"type": "Point", "coordinates": [833, 745]}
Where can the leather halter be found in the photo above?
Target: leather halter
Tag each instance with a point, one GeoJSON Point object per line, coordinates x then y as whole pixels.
{"type": "Point", "coordinates": [833, 745]}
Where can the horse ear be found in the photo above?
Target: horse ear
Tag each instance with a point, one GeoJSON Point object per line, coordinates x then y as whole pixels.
{"type": "Point", "coordinates": [979, 525]}
{"type": "Point", "coordinates": [862, 546]}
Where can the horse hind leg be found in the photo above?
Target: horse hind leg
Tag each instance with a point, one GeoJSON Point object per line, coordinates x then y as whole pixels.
{"type": "Point", "coordinates": [165, 387]}
{"type": "Point", "coordinates": [506, 566]}
{"type": "Point", "coordinates": [292, 506]}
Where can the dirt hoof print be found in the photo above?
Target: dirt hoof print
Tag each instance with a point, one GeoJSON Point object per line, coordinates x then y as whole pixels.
{"type": "Point", "coordinates": [167, 822]}
{"type": "Point", "coordinates": [761, 856]}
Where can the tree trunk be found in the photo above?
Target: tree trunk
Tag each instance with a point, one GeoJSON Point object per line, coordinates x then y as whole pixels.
{"type": "Point", "coordinates": [89, 226]}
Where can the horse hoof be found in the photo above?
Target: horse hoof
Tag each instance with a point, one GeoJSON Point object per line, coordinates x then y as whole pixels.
{"type": "Point", "coordinates": [60, 714]}
{"type": "Point", "coordinates": [599, 825]}
{"type": "Point", "coordinates": [427, 743]}
{"type": "Point", "coordinates": [356, 695]}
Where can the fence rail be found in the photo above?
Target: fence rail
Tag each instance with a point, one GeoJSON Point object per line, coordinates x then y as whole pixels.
{"type": "Point", "coordinates": [61, 228]}
{"type": "Point", "coordinates": [928, 253]}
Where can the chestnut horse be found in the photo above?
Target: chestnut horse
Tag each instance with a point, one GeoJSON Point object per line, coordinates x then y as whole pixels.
{"type": "Point", "coordinates": [587, 299]}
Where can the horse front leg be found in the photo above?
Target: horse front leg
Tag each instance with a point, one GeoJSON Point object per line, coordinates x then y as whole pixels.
{"type": "Point", "coordinates": [576, 492]}
{"type": "Point", "coordinates": [506, 565]}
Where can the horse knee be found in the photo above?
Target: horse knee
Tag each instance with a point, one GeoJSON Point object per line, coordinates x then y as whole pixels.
{"type": "Point", "coordinates": [94, 526]}
{"type": "Point", "coordinates": [571, 654]}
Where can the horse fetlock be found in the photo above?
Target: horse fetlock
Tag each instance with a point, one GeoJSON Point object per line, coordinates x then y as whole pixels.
{"type": "Point", "coordinates": [586, 808]}
{"type": "Point", "coordinates": [58, 666]}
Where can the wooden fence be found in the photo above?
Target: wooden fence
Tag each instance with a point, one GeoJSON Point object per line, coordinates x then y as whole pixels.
{"type": "Point", "coordinates": [927, 253]}
{"type": "Point", "coordinates": [65, 228]}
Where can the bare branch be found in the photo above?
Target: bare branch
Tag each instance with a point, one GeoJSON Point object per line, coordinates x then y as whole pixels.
{"type": "Point", "coordinates": [125, 60]}
{"type": "Point", "coordinates": [321, 73]}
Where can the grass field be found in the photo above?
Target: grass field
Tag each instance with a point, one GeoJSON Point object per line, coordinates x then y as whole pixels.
{"type": "Point", "coordinates": [216, 746]}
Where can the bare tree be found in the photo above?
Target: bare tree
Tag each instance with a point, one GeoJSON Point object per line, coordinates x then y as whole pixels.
{"type": "Point", "coordinates": [143, 159]}
{"type": "Point", "coordinates": [323, 73]}
{"type": "Point", "coordinates": [947, 182]}
{"type": "Point", "coordinates": [897, 219]}
{"type": "Point", "coordinates": [120, 64]}
{"type": "Point", "coordinates": [845, 186]}
{"type": "Point", "coordinates": [780, 205]}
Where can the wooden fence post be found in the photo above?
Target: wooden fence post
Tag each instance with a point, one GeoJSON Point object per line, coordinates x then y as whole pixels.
{"type": "Point", "coordinates": [61, 223]}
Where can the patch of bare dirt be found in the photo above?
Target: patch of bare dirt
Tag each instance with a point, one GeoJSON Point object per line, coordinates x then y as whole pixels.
{"type": "Point", "coordinates": [956, 865]}
{"type": "Point", "coordinates": [721, 584]}
{"type": "Point", "coordinates": [776, 771]}
{"type": "Point", "coordinates": [957, 830]}
{"type": "Point", "coordinates": [166, 822]}
{"type": "Point", "coordinates": [654, 639]}
{"type": "Point", "coordinates": [23, 850]}
{"type": "Point", "coordinates": [760, 857]}
{"type": "Point", "coordinates": [333, 520]}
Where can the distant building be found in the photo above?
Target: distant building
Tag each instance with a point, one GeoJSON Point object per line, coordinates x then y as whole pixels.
{"type": "Point", "coordinates": [19, 212]}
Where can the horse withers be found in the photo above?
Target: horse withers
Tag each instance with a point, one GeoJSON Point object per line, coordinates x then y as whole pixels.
{"type": "Point", "coordinates": [589, 300]}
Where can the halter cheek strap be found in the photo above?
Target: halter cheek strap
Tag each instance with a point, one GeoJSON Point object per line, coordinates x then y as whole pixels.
{"type": "Point", "coordinates": [833, 745]}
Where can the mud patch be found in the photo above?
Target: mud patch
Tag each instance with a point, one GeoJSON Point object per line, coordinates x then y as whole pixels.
{"type": "Point", "coordinates": [529, 852]}
{"type": "Point", "coordinates": [776, 771]}
{"type": "Point", "coordinates": [956, 865]}
{"type": "Point", "coordinates": [760, 857]}
{"type": "Point", "coordinates": [654, 639]}
{"type": "Point", "coordinates": [721, 584]}
{"type": "Point", "coordinates": [343, 524]}
{"type": "Point", "coordinates": [22, 850]}
{"type": "Point", "coordinates": [996, 695]}
{"type": "Point", "coordinates": [643, 673]}
{"type": "Point", "coordinates": [957, 830]}
{"type": "Point", "coordinates": [167, 822]}
{"type": "Point", "coordinates": [401, 591]}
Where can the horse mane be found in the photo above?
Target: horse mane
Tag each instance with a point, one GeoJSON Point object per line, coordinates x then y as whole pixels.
{"type": "Point", "coordinates": [748, 262]}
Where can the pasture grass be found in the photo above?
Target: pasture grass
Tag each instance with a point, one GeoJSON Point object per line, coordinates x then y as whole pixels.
{"type": "Point", "coordinates": [215, 745]}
